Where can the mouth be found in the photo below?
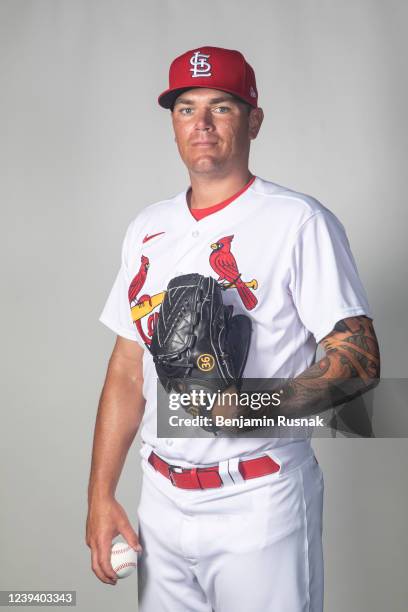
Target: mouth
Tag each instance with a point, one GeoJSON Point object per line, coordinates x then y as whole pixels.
{"type": "Point", "coordinates": [203, 143]}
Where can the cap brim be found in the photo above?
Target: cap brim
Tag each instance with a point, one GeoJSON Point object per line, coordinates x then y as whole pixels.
{"type": "Point", "coordinates": [168, 97]}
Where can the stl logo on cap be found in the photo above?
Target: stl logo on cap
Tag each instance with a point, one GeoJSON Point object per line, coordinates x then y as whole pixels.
{"type": "Point", "coordinates": [201, 68]}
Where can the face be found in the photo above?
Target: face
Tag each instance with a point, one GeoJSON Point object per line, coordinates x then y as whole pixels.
{"type": "Point", "coordinates": [213, 130]}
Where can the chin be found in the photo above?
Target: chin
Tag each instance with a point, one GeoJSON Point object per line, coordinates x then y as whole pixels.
{"type": "Point", "coordinates": [204, 164]}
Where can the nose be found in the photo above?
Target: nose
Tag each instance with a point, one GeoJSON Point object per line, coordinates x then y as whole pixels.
{"type": "Point", "coordinates": [203, 120]}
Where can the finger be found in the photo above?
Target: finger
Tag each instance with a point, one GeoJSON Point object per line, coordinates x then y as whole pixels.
{"type": "Point", "coordinates": [97, 569]}
{"type": "Point", "coordinates": [104, 558]}
{"type": "Point", "coordinates": [131, 537]}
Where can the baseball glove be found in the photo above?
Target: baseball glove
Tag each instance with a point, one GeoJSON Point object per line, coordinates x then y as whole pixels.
{"type": "Point", "coordinates": [197, 342]}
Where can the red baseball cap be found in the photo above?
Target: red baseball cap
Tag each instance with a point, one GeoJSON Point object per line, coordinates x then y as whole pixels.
{"type": "Point", "coordinates": [214, 68]}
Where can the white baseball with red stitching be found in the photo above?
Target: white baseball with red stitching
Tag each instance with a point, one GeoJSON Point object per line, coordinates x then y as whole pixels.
{"type": "Point", "coordinates": [123, 559]}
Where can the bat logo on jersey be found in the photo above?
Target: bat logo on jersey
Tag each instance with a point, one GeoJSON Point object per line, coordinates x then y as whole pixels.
{"type": "Point", "coordinates": [201, 68]}
{"type": "Point", "coordinates": [223, 263]}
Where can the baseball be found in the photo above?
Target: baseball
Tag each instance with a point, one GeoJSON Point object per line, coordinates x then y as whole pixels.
{"type": "Point", "coordinates": [123, 559]}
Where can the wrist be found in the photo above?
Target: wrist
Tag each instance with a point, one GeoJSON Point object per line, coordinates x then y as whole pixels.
{"type": "Point", "coordinates": [100, 493]}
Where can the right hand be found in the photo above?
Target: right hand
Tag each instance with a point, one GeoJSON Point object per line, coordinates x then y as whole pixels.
{"type": "Point", "coordinates": [106, 520]}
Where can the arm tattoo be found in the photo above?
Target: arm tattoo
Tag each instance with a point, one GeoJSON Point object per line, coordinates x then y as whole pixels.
{"type": "Point", "coordinates": [352, 349]}
{"type": "Point", "coordinates": [350, 367]}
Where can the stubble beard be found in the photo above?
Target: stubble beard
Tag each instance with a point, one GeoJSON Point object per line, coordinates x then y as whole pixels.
{"type": "Point", "coordinates": [205, 166]}
{"type": "Point", "coordinates": [208, 165]}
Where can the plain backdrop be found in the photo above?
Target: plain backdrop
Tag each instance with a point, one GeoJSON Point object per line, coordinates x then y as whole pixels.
{"type": "Point", "coordinates": [84, 146]}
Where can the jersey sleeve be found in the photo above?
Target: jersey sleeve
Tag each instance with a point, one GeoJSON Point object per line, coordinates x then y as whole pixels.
{"type": "Point", "coordinates": [116, 313]}
{"type": "Point", "coordinates": [325, 284]}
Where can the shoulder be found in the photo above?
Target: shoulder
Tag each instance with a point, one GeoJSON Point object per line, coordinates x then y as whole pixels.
{"type": "Point", "coordinates": [151, 217]}
{"type": "Point", "coordinates": [298, 205]}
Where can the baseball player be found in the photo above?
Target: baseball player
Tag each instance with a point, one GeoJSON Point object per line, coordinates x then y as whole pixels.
{"type": "Point", "coordinates": [229, 524]}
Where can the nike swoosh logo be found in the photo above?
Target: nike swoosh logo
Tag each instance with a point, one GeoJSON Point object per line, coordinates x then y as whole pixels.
{"type": "Point", "coordinates": [147, 237]}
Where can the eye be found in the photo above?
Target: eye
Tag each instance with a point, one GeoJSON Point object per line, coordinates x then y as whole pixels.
{"type": "Point", "coordinates": [187, 110]}
{"type": "Point", "coordinates": [222, 109]}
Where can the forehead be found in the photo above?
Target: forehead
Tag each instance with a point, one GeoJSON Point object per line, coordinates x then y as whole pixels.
{"type": "Point", "coordinates": [203, 94]}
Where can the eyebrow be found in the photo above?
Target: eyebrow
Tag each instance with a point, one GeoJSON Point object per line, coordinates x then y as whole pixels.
{"type": "Point", "coordinates": [211, 101]}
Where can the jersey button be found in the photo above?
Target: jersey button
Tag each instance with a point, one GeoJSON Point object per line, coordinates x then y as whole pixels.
{"type": "Point", "coordinates": [195, 234]}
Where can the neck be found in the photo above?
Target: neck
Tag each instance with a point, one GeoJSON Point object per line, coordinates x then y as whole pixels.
{"type": "Point", "coordinates": [209, 190]}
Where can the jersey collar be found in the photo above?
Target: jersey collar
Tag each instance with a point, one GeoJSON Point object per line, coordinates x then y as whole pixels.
{"type": "Point", "coordinates": [221, 207]}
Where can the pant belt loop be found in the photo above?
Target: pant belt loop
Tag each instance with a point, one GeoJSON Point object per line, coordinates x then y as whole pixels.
{"type": "Point", "coordinates": [224, 474]}
{"type": "Point", "coordinates": [145, 451]}
{"type": "Point", "coordinates": [234, 471]}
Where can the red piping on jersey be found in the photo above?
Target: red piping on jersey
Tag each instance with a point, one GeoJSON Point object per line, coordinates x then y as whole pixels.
{"type": "Point", "coordinates": [200, 213]}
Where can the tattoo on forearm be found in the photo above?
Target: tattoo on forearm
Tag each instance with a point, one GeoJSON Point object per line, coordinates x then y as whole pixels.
{"type": "Point", "coordinates": [350, 367]}
{"type": "Point", "coordinates": [352, 349]}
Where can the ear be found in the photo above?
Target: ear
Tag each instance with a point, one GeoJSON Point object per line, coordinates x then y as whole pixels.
{"type": "Point", "coordinates": [255, 121]}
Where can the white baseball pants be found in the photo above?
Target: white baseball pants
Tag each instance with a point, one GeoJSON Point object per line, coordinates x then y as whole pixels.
{"type": "Point", "coordinates": [253, 546]}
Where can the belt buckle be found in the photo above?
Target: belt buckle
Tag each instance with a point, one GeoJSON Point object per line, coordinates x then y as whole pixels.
{"type": "Point", "coordinates": [175, 469]}
{"type": "Point", "coordinates": [172, 469]}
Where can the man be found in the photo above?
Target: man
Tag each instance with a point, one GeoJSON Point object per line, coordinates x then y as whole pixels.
{"type": "Point", "coordinates": [227, 524]}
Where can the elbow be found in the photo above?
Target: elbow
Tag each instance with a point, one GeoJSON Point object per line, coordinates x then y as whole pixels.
{"type": "Point", "coordinates": [374, 376]}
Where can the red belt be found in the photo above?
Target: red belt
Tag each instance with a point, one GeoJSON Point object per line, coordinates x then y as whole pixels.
{"type": "Point", "coordinates": [213, 477]}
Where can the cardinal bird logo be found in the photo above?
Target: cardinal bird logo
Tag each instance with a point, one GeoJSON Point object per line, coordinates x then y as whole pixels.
{"type": "Point", "coordinates": [134, 289]}
{"type": "Point", "coordinates": [139, 280]}
{"type": "Point", "coordinates": [223, 263]}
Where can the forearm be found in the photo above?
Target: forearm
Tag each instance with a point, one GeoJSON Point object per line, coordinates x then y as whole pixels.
{"type": "Point", "coordinates": [120, 412]}
{"type": "Point", "coordinates": [313, 392]}
{"type": "Point", "coordinates": [308, 394]}
{"type": "Point", "coordinates": [350, 367]}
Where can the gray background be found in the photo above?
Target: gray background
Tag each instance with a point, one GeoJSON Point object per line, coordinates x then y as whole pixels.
{"type": "Point", "coordinates": [84, 146]}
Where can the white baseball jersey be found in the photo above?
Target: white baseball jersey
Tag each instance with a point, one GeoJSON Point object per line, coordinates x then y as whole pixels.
{"type": "Point", "coordinates": [294, 258]}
